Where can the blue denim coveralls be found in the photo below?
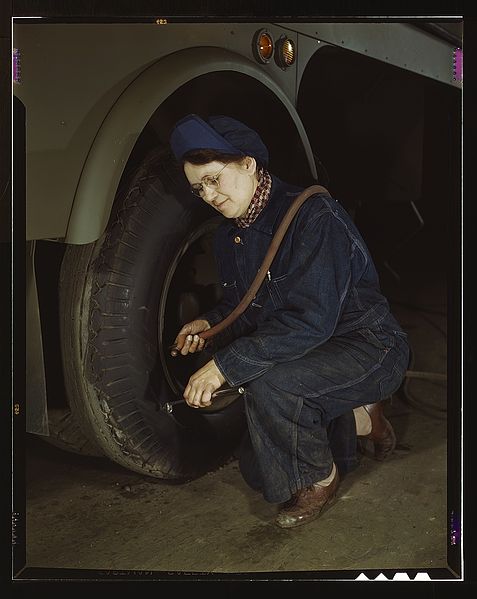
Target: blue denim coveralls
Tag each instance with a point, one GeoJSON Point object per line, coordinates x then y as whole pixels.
{"type": "Point", "coordinates": [317, 341]}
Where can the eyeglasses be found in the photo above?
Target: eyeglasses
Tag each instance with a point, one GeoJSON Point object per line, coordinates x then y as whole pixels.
{"type": "Point", "coordinates": [198, 189]}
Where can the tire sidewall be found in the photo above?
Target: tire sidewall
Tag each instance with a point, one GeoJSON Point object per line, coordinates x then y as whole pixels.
{"type": "Point", "coordinates": [155, 217]}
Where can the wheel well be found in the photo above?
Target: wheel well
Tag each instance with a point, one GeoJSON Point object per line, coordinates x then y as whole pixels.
{"type": "Point", "coordinates": [388, 139]}
{"type": "Point", "coordinates": [239, 96]}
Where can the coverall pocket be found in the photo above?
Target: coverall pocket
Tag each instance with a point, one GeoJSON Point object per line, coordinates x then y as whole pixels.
{"type": "Point", "coordinates": [230, 292]}
{"type": "Point", "coordinates": [276, 289]}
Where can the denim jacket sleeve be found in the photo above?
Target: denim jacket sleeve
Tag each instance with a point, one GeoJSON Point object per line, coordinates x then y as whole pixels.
{"type": "Point", "coordinates": [216, 315]}
{"type": "Point", "coordinates": [319, 277]}
{"type": "Point", "coordinates": [213, 317]}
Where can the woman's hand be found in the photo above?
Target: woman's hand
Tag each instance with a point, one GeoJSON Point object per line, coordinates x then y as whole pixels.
{"type": "Point", "coordinates": [201, 385]}
{"type": "Point", "coordinates": [187, 340]}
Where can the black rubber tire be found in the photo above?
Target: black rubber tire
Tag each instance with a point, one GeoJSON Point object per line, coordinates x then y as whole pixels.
{"type": "Point", "coordinates": [66, 434]}
{"type": "Point", "coordinates": [115, 370]}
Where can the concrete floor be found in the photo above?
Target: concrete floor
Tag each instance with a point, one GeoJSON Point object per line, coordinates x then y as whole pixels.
{"type": "Point", "coordinates": [87, 513]}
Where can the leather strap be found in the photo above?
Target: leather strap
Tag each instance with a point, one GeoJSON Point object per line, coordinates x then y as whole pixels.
{"type": "Point", "coordinates": [267, 261]}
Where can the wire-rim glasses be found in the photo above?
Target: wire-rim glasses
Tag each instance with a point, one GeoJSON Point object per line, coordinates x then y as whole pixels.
{"type": "Point", "coordinates": [212, 181]}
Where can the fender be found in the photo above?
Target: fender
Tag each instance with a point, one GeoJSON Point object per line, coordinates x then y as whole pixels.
{"type": "Point", "coordinates": [127, 118]}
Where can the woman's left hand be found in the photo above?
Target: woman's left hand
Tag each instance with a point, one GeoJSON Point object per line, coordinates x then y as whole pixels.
{"type": "Point", "coordinates": [201, 385]}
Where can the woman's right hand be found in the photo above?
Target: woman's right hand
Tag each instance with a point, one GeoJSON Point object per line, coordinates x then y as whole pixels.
{"type": "Point", "coordinates": [188, 340]}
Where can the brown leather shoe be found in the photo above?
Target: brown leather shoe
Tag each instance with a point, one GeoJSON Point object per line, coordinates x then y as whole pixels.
{"type": "Point", "coordinates": [382, 433]}
{"type": "Point", "coordinates": [307, 504]}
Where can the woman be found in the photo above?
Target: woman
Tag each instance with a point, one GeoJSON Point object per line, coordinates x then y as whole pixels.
{"type": "Point", "coordinates": [317, 346]}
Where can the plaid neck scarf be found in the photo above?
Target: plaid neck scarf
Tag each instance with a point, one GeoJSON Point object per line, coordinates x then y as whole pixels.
{"type": "Point", "coordinates": [259, 200]}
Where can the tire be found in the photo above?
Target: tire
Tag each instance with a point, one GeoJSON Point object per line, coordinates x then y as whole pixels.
{"type": "Point", "coordinates": [65, 433]}
{"type": "Point", "coordinates": [122, 301]}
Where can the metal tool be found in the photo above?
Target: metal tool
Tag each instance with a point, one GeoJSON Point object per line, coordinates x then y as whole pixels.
{"type": "Point", "coordinates": [219, 394]}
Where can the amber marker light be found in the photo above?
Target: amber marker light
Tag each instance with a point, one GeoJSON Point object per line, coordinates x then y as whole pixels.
{"type": "Point", "coordinates": [262, 46]}
{"type": "Point", "coordinates": [285, 52]}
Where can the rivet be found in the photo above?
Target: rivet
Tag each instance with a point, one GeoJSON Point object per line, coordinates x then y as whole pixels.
{"type": "Point", "coordinates": [237, 239]}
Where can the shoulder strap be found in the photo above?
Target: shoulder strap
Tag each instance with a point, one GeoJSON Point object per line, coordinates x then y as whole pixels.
{"type": "Point", "coordinates": [267, 261]}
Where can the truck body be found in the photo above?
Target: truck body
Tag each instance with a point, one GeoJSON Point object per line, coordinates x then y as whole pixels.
{"type": "Point", "coordinates": [356, 109]}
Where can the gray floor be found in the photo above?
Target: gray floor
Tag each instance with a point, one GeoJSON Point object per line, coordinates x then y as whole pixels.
{"type": "Point", "coordinates": [87, 513]}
